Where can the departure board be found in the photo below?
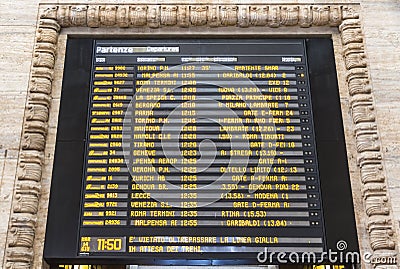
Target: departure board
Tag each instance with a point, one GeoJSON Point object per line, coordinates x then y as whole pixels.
{"type": "Point", "coordinates": [199, 150]}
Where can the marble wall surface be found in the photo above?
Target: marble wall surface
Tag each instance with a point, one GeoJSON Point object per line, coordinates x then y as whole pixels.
{"type": "Point", "coordinates": [18, 24]}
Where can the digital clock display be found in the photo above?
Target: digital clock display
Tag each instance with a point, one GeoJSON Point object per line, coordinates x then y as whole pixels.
{"type": "Point", "coordinates": [102, 244]}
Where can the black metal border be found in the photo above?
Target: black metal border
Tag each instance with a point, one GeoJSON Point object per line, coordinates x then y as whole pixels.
{"type": "Point", "coordinates": [62, 225]}
{"type": "Point", "coordinates": [331, 147]}
{"type": "Point", "coordinates": [63, 212]}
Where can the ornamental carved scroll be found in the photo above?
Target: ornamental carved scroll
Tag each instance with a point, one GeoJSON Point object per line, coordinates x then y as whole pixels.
{"type": "Point", "coordinates": [22, 227]}
{"type": "Point", "coordinates": [20, 252]}
{"type": "Point", "coordinates": [155, 16]}
{"type": "Point", "coordinates": [374, 190]}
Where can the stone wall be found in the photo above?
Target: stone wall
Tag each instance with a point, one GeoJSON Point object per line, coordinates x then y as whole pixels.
{"type": "Point", "coordinates": [380, 26]}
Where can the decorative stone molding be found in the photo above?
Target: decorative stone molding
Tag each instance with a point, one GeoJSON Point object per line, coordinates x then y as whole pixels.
{"type": "Point", "coordinates": [377, 205]}
{"type": "Point", "coordinates": [21, 237]}
{"type": "Point", "coordinates": [32, 141]}
{"type": "Point", "coordinates": [372, 173]}
{"type": "Point", "coordinates": [21, 232]}
{"type": "Point", "coordinates": [29, 171]}
{"type": "Point", "coordinates": [155, 16]}
{"type": "Point", "coordinates": [381, 234]}
{"type": "Point", "coordinates": [369, 159]}
{"type": "Point", "coordinates": [37, 112]}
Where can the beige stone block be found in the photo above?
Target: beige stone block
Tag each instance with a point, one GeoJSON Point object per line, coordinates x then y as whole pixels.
{"type": "Point", "coordinates": [8, 177]}
{"type": "Point", "coordinates": [387, 122]}
{"type": "Point", "coordinates": [3, 153]}
{"type": "Point", "coordinates": [383, 74]}
{"type": "Point", "coordinates": [12, 154]}
{"type": "Point", "coordinates": [11, 118]}
{"type": "Point", "coordinates": [56, 87]}
{"type": "Point", "coordinates": [394, 186]}
{"type": "Point", "coordinates": [16, 57]}
{"type": "Point", "coordinates": [383, 58]}
{"type": "Point", "coordinates": [54, 110]}
{"type": "Point", "coordinates": [41, 227]}
{"type": "Point", "coordinates": [18, 12]}
{"type": "Point", "coordinates": [59, 67]}
{"type": "Point", "coordinates": [50, 145]}
{"type": "Point", "coordinates": [392, 178]}
{"type": "Point", "coordinates": [2, 163]}
{"type": "Point", "coordinates": [6, 193]}
{"type": "Point", "coordinates": [42, 211]}
{"type": "Point", "coordinates": [394, 194]}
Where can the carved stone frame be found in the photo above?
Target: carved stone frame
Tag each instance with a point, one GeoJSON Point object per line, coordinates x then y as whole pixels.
{"type": "Point", "coordinates": [20, 250]}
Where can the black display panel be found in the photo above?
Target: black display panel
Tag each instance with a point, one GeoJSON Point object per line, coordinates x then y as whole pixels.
{"type": "Point", "coordinates": [202, 151]}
